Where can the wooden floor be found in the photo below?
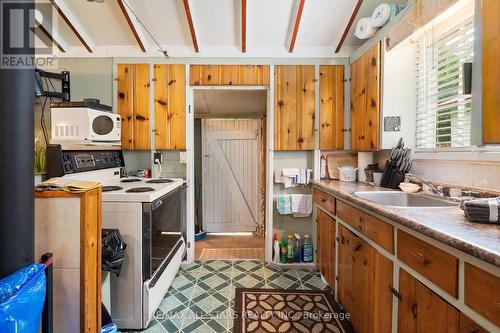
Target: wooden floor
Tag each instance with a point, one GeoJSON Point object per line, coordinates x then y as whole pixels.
{"type": "Point", "coordinates": [229, 242]}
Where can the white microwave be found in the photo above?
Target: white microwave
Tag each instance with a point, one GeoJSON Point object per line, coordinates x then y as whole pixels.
{"type": "Point", "coordinates": [84, 125]}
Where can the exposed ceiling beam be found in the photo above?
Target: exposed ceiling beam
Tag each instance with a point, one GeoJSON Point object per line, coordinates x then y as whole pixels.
{"type": "Point", "coordinates": [297, 24]}
{"type": "Point", "coordinates": [243, 26]}
{"type": "Point", "coordinates": [132, 23]}
{"type": "Point", "coordinates": [73, 23]}
{"type": "Point", "coordinates": [51, 34]}
{"type": "Point", "coordinates": [191, 25]}
{"type": "Point", "coordinates": [349, 24]}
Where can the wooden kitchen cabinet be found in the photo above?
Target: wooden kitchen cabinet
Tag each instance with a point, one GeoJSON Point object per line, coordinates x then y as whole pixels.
{"type": "Point", "coordinates": [229, 75]}
{"type": "Point", "coordinates": [325, 246]}
{"type": "Point", "coordinates": [331, 107]}
{"type": "Point", "coordinates": [365, 101]}
{"type": "Point", "coordinates": [170, 106]}
{"type": "Point", "coordinates": [133, 84]}
{"type": "Point", "coordinates": [491, 70]}
{"type": "Point", "coordinates": [420, 310]}
{"type": "Point", "coordinates": [364, 284]}
{"type": "Point", "coordinates": [294, 107]}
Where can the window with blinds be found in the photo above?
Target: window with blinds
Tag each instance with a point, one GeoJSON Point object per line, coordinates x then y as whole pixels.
{"type": "Point", "coordinates": [443, 109]}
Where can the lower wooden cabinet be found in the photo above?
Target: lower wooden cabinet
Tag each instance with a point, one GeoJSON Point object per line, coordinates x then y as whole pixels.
{"type": "Point", "coordinates": [325, 247]}
{"type": "Point", "coordinates": [364, 284]}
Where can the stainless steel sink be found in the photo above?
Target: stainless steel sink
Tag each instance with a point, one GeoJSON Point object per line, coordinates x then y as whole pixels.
{"type": "Point", "coordinates": [402, 199]}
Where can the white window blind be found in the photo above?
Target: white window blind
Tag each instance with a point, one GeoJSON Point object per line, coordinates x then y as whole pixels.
{"type": "Point", "coordinates": [443, 110]}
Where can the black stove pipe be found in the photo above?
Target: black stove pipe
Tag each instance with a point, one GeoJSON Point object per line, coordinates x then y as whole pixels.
{"type": "Point", "coordinates": [16, 169]}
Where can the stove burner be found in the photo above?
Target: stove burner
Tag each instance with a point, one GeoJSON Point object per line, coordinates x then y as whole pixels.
{"type": "Point", "coordinates": [140, 189]}
{"type": "Point", "coordinates": [159, 181]}
{"type": "Point", "coordinates": [131, 180]}
{"type": "Point", "coordinates": [111, 188]}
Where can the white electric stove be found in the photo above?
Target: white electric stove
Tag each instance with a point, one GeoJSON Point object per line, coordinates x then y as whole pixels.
{"type": "Point", "coordinates": [150, 215]}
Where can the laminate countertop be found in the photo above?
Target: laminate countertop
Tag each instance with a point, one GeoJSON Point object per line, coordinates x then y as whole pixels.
{"type": "Point", "coordinates": [445, 224]}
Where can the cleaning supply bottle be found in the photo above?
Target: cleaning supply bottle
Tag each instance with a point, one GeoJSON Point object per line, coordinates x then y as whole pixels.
{"type": "Point", "coordinates": [290, 248]}
{"type": "Point", "coordinates": [307, 250]}
{"type": "Point", "coordinates": [298, 248]}
{"type": "Point", "coordinates": [283, 251]}
{"type": "Point", "coordinates": [276, 246]}
{"type": "Point", "coordinates": [322, 165]}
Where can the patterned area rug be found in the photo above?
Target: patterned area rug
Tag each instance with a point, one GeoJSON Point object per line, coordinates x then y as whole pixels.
{"type": "Point", "coordinates": [236, 253]}
{"type": "Point", "coordinates": [264, 310]}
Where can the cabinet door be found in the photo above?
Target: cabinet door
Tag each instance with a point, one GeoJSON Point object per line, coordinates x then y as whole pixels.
{"type": "Point", "coordinates": [230, 74]}
{"type": "Point", "coordinates": [254, 74]}
{"type": "Point", "coordinates": [294, 108]}
{"type": "Point", "coordinates": [491, 70]}
{"type": "Point", "coordinates": [125, 104]}
{"type": "Point", "coordinates": [365, 101]}
{"type": "Point", "coordinates": [331, 252]}
{"type": "Point", "coordinates": [320, 241]}
{"type": "Point", "coordinates": [204, 75]}
{"type": "Point", "coordinates": [420, 310]}
{"type": "Point", "coordinates": [364, 282]}
{"type": "Point", "coordinates": [170, 107]}
{"type": "Point", "coordinates": [331, 108]}
{"type": "Point", "coordinates": [141, 107]}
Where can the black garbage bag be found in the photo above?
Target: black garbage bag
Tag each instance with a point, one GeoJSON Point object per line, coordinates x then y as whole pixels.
{"type": "Point", "coordinates": [113, 251]}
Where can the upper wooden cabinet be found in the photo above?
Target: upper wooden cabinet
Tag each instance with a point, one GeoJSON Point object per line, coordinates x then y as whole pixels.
{"type": "Point", "coordinates": [331, 107]}
{"type": "Point", "coordinates": [229, 75]}
{"type": "Point", "coordinates": [365, 101]}
{"type": "Point", "coordinates": [491, 71]}
{"type": "Point", "coordinates": [170, 106]}
{"type": "Point", "coordinates": [294, 108]}
{"type": "Point", "coordinates": [133, 105]}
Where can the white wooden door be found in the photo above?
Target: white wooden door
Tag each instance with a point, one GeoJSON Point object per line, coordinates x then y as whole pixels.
{"type": "Point", "coordinates": [230, 183]}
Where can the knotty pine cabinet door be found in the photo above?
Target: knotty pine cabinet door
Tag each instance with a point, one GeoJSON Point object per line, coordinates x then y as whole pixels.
{"type": "Point", "coordinates": [331, 108]}
{"type": "Point", "coordinates": [133, 84]}
{"type": "Point", "coordinates": [325, 247]}
{"type": "Point", "coordinates": [229, 75]}
{"type": "Point", "coordinates": [294, 107]}
{"type": "Point", "coordinates": [491, 70]}
{"type": "Point", "coordinates": [170, 106]}
{"type": "Point", "coordinates": [365, 101]}
{"type": "Point", "coordinates": [364, 282]}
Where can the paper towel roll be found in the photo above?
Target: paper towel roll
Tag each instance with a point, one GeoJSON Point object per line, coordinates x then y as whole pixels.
{"type": "Point", "coordinates": [381, 15]}
{"type": "Point", "coordinates": [364, 28]}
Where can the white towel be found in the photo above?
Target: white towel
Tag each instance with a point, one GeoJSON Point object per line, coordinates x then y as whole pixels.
{"type": "Point", "coordinates": [290, 172]}
{"type": "Point", "coordinates": [301, 205]}
{"type": "Point", "coordinates": [365, 29]}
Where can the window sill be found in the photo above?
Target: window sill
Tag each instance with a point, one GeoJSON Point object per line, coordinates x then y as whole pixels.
{"type": "Point", "coordinates": [483, 154]}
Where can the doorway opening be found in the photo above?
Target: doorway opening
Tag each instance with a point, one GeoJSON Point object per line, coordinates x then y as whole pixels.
{"type": "Point", "coordinates": [230, 173]}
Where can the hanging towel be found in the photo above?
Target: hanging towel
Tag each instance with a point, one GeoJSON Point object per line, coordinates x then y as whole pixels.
{"type": "Point", "coordinates": [365, 29]}
{"type": "Point", "coordinates": [284, 204]}
{"type": "Point", "coordinates": [301, 205]}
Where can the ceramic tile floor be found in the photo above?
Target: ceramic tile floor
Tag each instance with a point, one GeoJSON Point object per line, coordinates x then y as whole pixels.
{"type": "Point", "coordinates": [201, 298]}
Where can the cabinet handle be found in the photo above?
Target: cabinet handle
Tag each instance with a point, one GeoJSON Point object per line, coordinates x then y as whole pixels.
{"type": "Point", "coordinates": [420, 258]}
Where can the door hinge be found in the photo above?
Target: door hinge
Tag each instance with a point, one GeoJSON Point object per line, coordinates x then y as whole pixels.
{"type": "Point", "coordinates": [395, 292]}
{"type": "Point", "coordinates": [189, 109]}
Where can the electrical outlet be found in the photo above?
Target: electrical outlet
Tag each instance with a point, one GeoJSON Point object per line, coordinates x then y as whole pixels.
{"type": "Point", "coordinates": [157, 158]}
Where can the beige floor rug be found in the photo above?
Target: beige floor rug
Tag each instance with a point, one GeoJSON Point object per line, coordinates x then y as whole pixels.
{"type": "Point", "coordinates": [237, 253]}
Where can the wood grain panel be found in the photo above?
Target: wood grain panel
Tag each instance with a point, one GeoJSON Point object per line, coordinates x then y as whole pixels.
{"type": "Point", "coordinates": [254, 74]}
{"type": "Point", "coordinates": [421, 311]}
{"type": "Point", "coordinates": [491, 70]}
{"type": "Point", "coordinates": [467, 325]}
{"type": "Point", "coordinates": [358, 103]}
{"type": "Point", "coordinates": [177, 106]}
{"type": "Point", "coordinates": [371, 120]}
{"type": "Point", "coordinates": [435, 264]}
{"type": "Point", "coordinates": [210, 75]}
{"type": "Point", "coordinates": [324, 200]}
{"type": "Point", "coordinates": [141, 107]}
{"type": "Point", "coordinates": [482, 293]}
{"type": "Point", "coordinates": [125, 103]}
{"type": "Point", "coordinates": [331, 108]}
{"type": "Point", "coordinates": [195, 75]}
{"type": "Point", "coordinates": [161, 105]}
{"type": "Point", "coordinates": [230, 74]}
{"type": "Point", "coordinates": [305, 110]}
{"type": "Point", "coordinates": [285, 122]}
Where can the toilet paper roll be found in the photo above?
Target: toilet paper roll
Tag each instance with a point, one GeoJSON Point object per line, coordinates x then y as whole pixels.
{"type": "Point", "coordinates": [365, 29]}
{"type": "Point", "coordinates": [381, 15]}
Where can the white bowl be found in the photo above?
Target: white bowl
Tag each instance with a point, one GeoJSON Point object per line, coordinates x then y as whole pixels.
{"type": "Point", "coordinates": [409, 187]}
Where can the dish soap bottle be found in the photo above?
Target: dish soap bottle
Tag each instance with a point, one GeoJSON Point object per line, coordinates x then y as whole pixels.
{"type": "Point", "coordinates": [290, 248]}
{"type": "Point", "coordinates": [307, 249]}
{"type": "Point", "coordinates": [298, 248]}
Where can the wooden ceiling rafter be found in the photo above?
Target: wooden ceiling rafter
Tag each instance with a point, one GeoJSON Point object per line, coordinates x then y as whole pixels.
{"type": "Point", "coordinates": [73, 24]}
{"type": "Point", "coordinates": [243, 26]}
{"type": "Point", "coordinates": [349, 25]}
{"type": "Point", "coordinates": [191, 25]}
{"type": "Point", "coordinates": [296, 26]}
{"type": "Point", "coordinates": [53, 37]}
{"type": "Point", "coordinates": [135, 30]}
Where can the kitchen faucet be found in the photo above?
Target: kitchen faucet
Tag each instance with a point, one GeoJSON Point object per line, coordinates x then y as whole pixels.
{"type": "Point", "coordinates": [435, 189]}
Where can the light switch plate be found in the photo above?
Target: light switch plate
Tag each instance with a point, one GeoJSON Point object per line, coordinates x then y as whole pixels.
{"type": "Point", "coordinates": [182, 157]}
